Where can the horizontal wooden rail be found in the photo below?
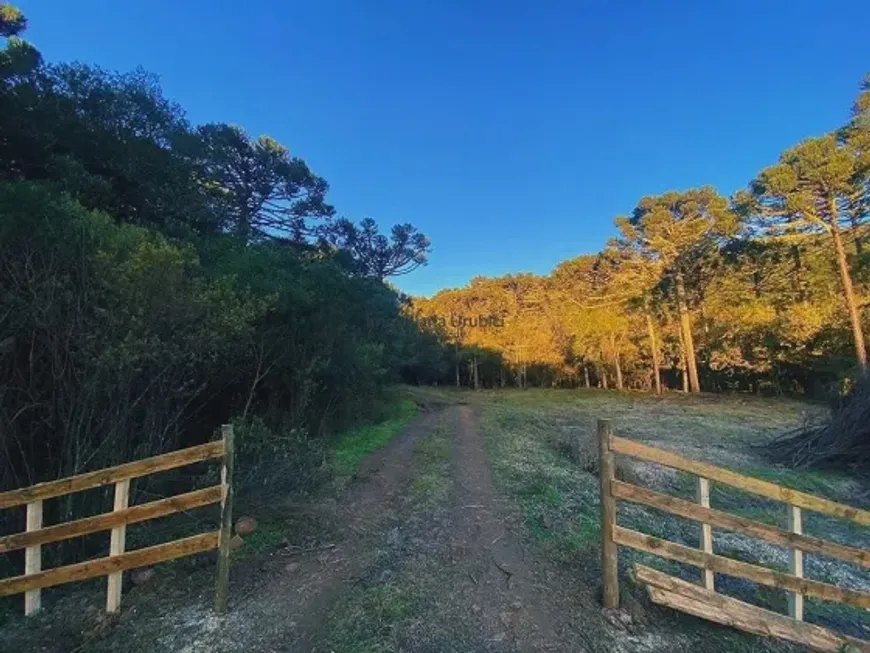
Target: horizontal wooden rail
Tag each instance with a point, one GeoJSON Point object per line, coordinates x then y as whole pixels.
{"type": "Point", "coordinates": [747, 483]}
{"type": "Point", "coordinates": [690, 510]}
{"type": "Point", "coordinates": [104, 566]}
{"type": "Point", "coordinates": [112, 474]}
{"type": "Point", "coordinates": [104, 522]}
{"type": "Point", "coordinates": [701, 602]}
{"type": "Point", "coordinates": [730, 567]}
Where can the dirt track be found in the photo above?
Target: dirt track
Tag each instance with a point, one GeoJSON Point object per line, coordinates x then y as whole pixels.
{"type": "Point", "coordinates": [477, 587]}
{"type": "Point", "coordinates": [420, 553]}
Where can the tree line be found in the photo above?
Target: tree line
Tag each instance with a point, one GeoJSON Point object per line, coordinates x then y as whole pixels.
{"type": "Point", "coordinates": [762, 291]}
{"type": "Point", "coordinates": [159, 278]}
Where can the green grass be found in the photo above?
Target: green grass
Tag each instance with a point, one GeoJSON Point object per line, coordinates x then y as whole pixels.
{"type": "Point", "coordinates": [526, 435]}
{"type": "Point", "coordinates": [823, 483]}
{"type": "Point", "coordinates": [557, 498]}
{"type": "Point", "coordinates": [270, 535]}
{"type": "Point", "coordinates": [369, 619]}
{"type": "Point", "coordinates": [376, 616]}
{"type": "Point", "coordinates": [352, 447]}
{"type": "Point", "coordinates": [432, 457]}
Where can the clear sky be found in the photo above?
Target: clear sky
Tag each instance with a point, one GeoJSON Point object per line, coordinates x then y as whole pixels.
{"type": "Point", "coordinates": [510, 132]}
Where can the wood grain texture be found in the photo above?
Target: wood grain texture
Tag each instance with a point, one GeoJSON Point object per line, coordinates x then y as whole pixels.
{"type": "Point", "coordinates": [222, 585]}
{"type": "Point", "coordinates": [609, 550]}
{"type": "Point", "coordinates": [109, 520]}
{"type": "Point", "coordinates": [112, 475]}
{"type": "Point", "coordinates": [746, 483]}
{"type": "Point", "coordinates": [722, 565]}
{"type": "Point", "coordinates": [105, 566]}
{"type": "Point", "coordinates": [703, 492]}
{"type": "Point", "coordinates": [796, 564]}
{"type": "Point", "coordinates": [33, 558]}
{"type": "Point", "coordinates": [680, 595]}
{"type": "Point", "coordinates": [116, 546]}
{"type": "Point", "coordinates": [772, 534]}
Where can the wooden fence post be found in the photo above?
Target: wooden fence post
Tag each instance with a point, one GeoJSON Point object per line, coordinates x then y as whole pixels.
{"type": "Point", "coordinates": [706, 531]}
{"type": "Point", "coordinates": [226, 532]}
{"type": "Point", "coordinates": [796, 565]}
{"type": "Point", "coordinates": [609, 553]}
{"type": "Point", "coordinates": [116, 547]}
{"type": "Point", "coordinates": [33, 558]}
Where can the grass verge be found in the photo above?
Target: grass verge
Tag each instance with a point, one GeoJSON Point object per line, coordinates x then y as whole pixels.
{"type": "Point", "coordinates": [353, 446]}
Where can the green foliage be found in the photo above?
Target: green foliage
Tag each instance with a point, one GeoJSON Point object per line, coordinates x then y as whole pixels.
{"type": "Point", "coordinates": [255, 188]}
{"type": "Point", "coordinates": [12, 21]}
{"type": "Point", "coordinates": [277, 461]}
{"type": "Point", "coordinates": [378, 256]}
{"type": "Point", "coordinates": [158, 279]}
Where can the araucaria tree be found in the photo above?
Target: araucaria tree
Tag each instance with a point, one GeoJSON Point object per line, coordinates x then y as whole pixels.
{"type": "Point", "coordinates": [810, 191]}
{"type": "Point", "coordinates": [376, 255]}
{"type": "Point", "coordinates": [681, 232]}
{"type": "Point", "coordinates": [158, 279]}
{"type": "Point", "coordinates": [257, 189]}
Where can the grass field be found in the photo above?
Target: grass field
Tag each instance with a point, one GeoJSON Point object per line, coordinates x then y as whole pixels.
{"type": "Point", "coordinates": [528, 435]}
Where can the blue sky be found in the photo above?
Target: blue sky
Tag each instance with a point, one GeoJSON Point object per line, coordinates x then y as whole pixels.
{"type": "Point", "coordinates": [510, 132]}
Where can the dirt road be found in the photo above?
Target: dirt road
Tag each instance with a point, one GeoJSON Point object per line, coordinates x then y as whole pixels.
{"type": "Point", "coordinates": [420, 553]}
{"type": "Point", "coordinates": [417, 554]}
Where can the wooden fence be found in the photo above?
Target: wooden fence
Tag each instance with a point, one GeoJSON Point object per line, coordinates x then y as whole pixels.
{"type": "Point", "coordinates": [702, 600]}
{"type": "Point", "coordinates": [119, 560]}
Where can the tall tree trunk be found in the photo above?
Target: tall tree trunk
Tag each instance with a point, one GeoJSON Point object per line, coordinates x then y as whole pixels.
{"type": "Point", "coordinates": [686, 329]}
{"type": "Point", "coordinates": [800, 276]}
{"type": "Point", "coordinates": [586, 375]}
{"type": "Point", "coordinates": [604, 378]}
{"type": "Point", "coordinates": [501, 380]}
{"type": "Point", "coordinates": [684, 371]}
{"type": "Point", "coordinates": [474, 371]}
{"type": "Point", "coordinates": [654, 346]}
{"type": "Point", "coordinates": [855, 219]}
{"type": "Point", "coordinates": [848, 289]}
{"type": "Point", "coordinates": [618, 371]}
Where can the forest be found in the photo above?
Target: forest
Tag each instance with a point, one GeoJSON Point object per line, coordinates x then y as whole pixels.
{"type": "Point", "coordinates": [159, 278]}
{"type": "Point", "coordinates": [761, 292]}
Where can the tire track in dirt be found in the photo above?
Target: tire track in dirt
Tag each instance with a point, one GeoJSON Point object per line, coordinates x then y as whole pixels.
{"type": "Point", "coordinates": [518, 599]}
{"type": "Point", "coordinates": [501, 588]}
{"type": "Point", "coordinates": [280, 606]}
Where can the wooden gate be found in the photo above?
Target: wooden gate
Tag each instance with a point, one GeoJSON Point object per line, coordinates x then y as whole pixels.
{"type": "Point", "coordinates": [119, 560]}
{"type": "Point", "coordinates": [703, 600]}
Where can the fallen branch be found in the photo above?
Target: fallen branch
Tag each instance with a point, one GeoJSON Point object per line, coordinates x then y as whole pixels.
{"type": "Point", "coordinates": [299, 551]}
{"type": "Point", "coordinates": [507, 572]}
{"type": "Point", "coordinates": [843, 439]}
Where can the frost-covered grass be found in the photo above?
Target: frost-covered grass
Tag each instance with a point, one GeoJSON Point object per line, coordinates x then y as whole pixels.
{"type": "Point", "coordinates": [558, 499]}
{"type": "Point", "coordinates": [528, 435]}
